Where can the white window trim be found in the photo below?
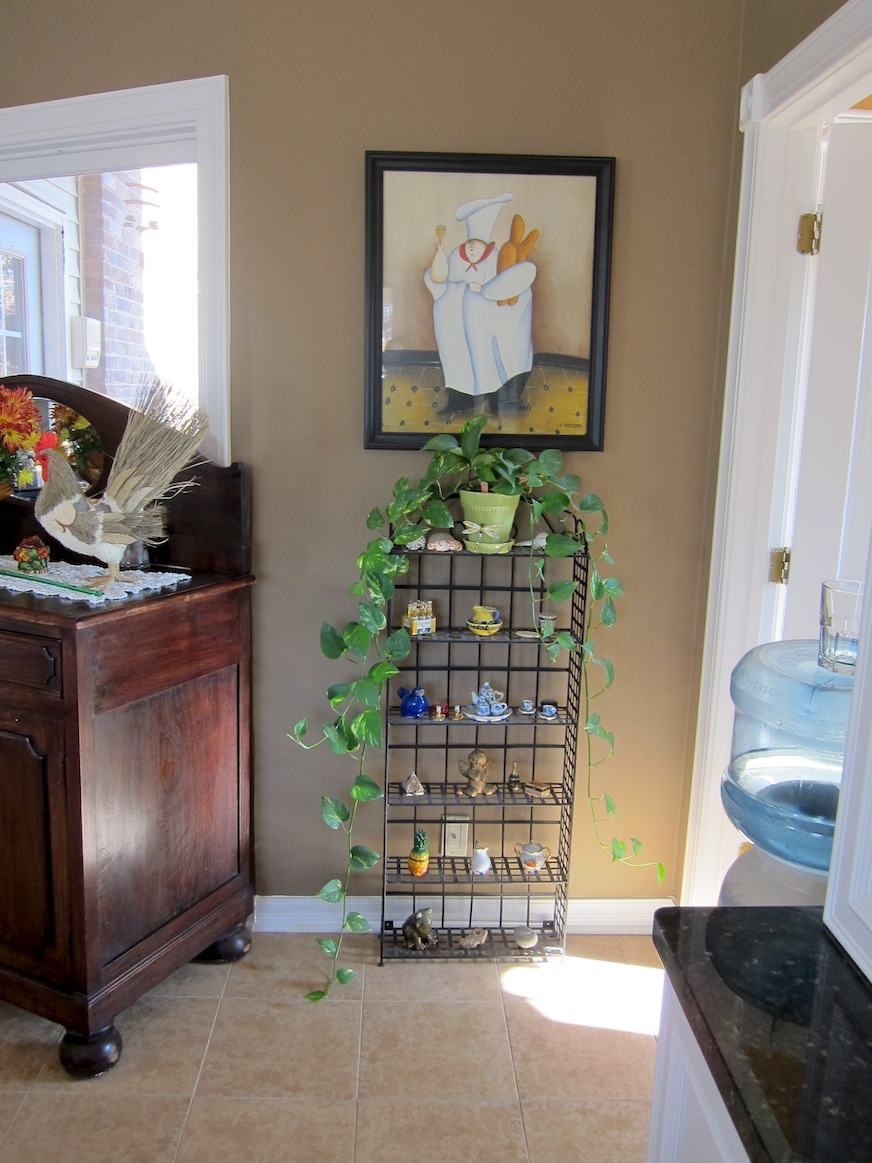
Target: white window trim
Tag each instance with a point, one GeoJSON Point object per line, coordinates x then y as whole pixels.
{"type": "Point", "coordinates": [184, 121]}
{"type": "Point", "coordinates": [49, 221]}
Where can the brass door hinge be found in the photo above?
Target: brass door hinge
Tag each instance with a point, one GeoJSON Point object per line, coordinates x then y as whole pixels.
{"type": "Point", "coordinates": [808, 233]}
{"type": "Point", "coordinates": [779, 565]}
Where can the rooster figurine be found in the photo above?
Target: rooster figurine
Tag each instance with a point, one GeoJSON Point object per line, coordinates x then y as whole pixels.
{"type": "Point", "coordinates": [161, 437]}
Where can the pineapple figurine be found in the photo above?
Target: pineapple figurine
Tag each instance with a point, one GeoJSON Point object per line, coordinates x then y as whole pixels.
{"type": "Point", "coordinates": [419, 857]}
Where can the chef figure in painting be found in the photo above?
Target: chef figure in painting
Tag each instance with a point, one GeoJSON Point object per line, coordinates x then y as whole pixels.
{"type": "Point", "coordinates": [482, 310]}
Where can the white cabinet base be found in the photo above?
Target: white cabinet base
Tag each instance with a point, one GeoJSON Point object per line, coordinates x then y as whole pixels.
{"type": "Point", "coordinates": [689, 1121]}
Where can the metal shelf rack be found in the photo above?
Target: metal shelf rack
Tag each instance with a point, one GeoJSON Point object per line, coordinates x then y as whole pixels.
{"type": "Point", "coordinates": [450, 664]}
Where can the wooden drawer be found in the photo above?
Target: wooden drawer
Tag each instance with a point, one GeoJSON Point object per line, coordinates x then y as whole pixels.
{"type": "Point", "coordinates": [34, 663]}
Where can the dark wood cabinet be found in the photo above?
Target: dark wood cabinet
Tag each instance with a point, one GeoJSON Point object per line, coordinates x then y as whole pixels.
{"type": "Point", "coordinates": [124, 785]}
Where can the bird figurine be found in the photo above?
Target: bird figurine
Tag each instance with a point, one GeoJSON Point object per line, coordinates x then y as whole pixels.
{"type": "Point", "coordinates": [162, 434]}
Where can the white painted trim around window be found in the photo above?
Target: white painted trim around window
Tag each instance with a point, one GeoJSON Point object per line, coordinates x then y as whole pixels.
{"type": "Point", "coordinates": [184, 121]}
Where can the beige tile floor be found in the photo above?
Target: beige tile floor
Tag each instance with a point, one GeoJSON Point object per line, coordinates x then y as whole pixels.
{"type": "Point", "coordinates": [412, 1062]}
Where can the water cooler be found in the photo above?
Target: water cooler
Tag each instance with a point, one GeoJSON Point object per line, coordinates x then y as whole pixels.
{"type": "Point", "coordinates": [781, 788]}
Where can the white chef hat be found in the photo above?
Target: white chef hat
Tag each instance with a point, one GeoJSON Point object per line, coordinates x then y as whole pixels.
{"type": "Point", "coordinates": [480, 215]}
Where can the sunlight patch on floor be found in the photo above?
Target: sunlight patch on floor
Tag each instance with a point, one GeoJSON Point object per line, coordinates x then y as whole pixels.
{"type": "Point", "coordinates": [583, 992]}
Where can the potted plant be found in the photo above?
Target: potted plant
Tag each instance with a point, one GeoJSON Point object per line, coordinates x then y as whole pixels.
{"type": "Point", "coordinates": [354, 727]}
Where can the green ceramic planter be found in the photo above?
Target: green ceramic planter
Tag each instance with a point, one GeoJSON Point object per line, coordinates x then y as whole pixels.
{"type": "Point", "coordinates": [491, 517]}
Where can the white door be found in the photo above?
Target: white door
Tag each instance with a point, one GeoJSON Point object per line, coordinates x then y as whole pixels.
{"type": "Point", "coordinates": [833, 514]}
{"type": "Point", "coordinates": [766, 410]}
{"type": "Point", "coordinates": [21, 346]}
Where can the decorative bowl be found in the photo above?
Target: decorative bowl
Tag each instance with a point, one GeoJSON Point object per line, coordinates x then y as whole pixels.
{"type": "Point", "coordinates": [484, 629]}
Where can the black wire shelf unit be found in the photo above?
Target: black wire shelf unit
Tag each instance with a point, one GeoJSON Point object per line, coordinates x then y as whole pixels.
{"type": "Point", "coordinates": [451, 664]}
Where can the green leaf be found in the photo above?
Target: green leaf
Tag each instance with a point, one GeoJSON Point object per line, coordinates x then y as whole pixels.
{"type": "Point", "coordinates": [357, 589]}
{"type": "Point", "coordinates": [555, 501]}
{"type": "Point", "coordinates": [366, 692]}
{"type": "Point", "coordinates": [356, 638]}
{"type": "Point", "coordinates": [441, 443]}
{"type": "Point", "coordinates": [636, 845]}
{"type": "Point", "coordinates": [553, 649]}
{"type": "Point", "coordinates": [608, 613]}
{"type": "Point", "coordinates": [560, 545]}
{"type": "Point", "coordinates": [550, 460]}
{"type": "Point", "coordinates": [357, 923]}
{"type": "Point", "coordinates": [301, 729]}
{"type": "Point", "coordinates": [338, 693]}
{"type": "Point", "coordinates": [367, 727]}
{"type": "Point", "coordinates": [400, 487]}
{"type": "Point", "coordinates": [315, 995]}
{"type": "Point", "coordinates": [329, 946]}
{"type": "Point", "coordinates": [661, 873]}
{"type": "Point", "coordinates": [364, 789]}
{"type": "Point", "coordinates": [471, 435]}
{"type": "Point", "coordinates": [619, 849]}
{"type": "Point", "coordinates": [407, 532]}
{"type": "Point", "coordinates": [597, 588]}
{"type": "Point", "coordinates": [371, 617]}
{"type": "Point", "coordinates": [562, 590]}
{"type": "Point", "coordinates": [362, 857]}
{"type": "Point", "coordinates": [332, 892]}
{"type": "Point", "coordinates": [565, 639]}
{"type": "Point", "coordinates": [398, 646]}
{"type": "Point", "coordinates": [332, 643]}
{"type": "Point", "coordinates": [610, 807]}
{"type": "Point", "coordinates": [341, 740]}
{"type": "Point", "coordinates": [381, 672]}
{"type": "Point", "coordinates": [375, 519]}
{"type": "Point", "coordinates": [591, 503]}
{"type": "Point", "coordinates": [613, 587]}
{"type": "Point", "coordinates": [438, 515]}
{"type": "Point", "coordinates": [334, 812]}
{"type": "Point", "coordinates": [344, 976]}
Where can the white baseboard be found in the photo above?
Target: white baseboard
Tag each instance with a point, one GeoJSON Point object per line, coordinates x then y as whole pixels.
{"type": "Point", "coordinates": [304, 914]}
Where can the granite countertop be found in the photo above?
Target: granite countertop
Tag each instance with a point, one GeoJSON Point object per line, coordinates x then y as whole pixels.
{"type": "Point", "coordinates": [784, 1020]}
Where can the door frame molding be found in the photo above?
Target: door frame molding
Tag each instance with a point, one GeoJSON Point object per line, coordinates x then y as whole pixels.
{"type": "Point", "coordinates": [782, 116]}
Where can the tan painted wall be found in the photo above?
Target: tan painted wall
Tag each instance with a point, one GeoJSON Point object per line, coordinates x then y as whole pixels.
{"type": "Point", "coordinates": [313, 84]}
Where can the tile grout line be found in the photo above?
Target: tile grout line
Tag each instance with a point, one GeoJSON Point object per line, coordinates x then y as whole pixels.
{"type": "Point", "coordinates": [512, 1059]}
{"type": "Point", "coordinates": [202, 1065]}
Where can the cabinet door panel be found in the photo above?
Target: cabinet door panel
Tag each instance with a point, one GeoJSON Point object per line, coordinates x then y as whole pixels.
{"type": "Point", "coordinates": [32, 888]}
{"type": "Point", "coordinates": [165, 784]}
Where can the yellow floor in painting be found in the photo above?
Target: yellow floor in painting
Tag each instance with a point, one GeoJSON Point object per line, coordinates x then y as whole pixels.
{"type": "Point", "coordinates": [413, 397]}
{"type": "Point", "coordinates": [424, 1062]}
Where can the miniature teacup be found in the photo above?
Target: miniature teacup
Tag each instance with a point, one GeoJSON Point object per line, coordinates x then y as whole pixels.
{"type": "Point", "coordinates": [527, 706]}
{"type": "Point", "coordinates": [499, 708]}
{"type": "Point", "coordinates": [549, 710]}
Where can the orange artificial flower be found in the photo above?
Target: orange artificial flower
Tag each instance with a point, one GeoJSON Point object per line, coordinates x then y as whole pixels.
{"type": "Point", "coordinates": [19, 419]}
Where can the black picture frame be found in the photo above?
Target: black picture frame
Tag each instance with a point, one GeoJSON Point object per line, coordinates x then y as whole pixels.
{"type": "Point", "coordinates": [535, 360]}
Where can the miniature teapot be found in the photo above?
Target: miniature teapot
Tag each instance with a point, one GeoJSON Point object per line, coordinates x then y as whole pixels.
{"type": "Point", "coordinates": [532, 856]}
{"type": "Point", "coordinates": [413, 704]}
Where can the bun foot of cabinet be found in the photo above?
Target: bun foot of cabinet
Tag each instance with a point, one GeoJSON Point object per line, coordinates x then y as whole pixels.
{"type": "Point", "coordinates": [88, 1055]}
{"type": "Point", "coordinates": [232, 946]}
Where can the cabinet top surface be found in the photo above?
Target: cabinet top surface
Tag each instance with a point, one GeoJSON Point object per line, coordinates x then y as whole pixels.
{"type": "Point", "coordinates": [29, 608]}
{"type": "Point", "coordinates": [784, 1020]}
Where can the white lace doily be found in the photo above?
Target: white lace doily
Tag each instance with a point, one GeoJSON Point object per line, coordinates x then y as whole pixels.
{"type": "Point", "coordinates": [132, 581]}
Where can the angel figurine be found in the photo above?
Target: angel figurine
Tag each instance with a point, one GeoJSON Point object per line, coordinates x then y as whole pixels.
{"type": "Point", "coordinates": [475, 769]}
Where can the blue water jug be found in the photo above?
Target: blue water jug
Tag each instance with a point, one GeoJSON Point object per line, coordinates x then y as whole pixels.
{"type": "Point", "coordinates": [781, 788]}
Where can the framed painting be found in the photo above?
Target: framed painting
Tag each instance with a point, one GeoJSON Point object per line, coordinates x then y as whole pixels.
{"type": "Point", "coordinates": [487, 290]}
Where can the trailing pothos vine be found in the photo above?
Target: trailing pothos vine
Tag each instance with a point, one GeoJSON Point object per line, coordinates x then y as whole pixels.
{"type": "Point", "coordinates": [354, 728]}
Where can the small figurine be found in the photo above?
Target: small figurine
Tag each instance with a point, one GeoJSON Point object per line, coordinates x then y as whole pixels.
{"type": "Point", "coordinates": [475, 769]}
{"type": "Point", "coordinates": [481, 861]}
{"type": "Point", "coordinates": [473, 938]}
{"type": "Point", "coordinates": [525, 937]}
{"type": "Point", "coordinates": [441, 542]}
{"type": "Point", "coordinates": [413, 704]}
{"type": "Point", "coordinates": [514, 779]}
{"type": "Point", "coordinates": [457, 713]}
{"type": "Point", "coordinates": [419, 857]}
{"type": "Point", "coordinates": [418, 931]}
{"type": "Point", "coordinates": [32, 555]}
{"type": "Point", "coordinates": [412, 786]}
